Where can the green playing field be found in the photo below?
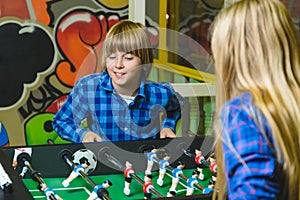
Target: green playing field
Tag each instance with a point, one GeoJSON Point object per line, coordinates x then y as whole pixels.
{"type": "Point", "coordinates": [80, 189]}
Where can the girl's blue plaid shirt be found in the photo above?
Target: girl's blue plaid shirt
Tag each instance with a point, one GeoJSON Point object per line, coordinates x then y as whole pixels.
{"type": "Point", "coordinates": [251, 167]}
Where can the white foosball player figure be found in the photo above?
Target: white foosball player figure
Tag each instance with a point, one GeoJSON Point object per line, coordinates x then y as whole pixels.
{"type": "Point", "coordinates": [83, 163]}
{"type": "Point", "coordinates": [190, 183]}
{"type": "Point", "coordinates": [151, 157]}
{"type": "Point", "coordinates": [49, 192]}
{"type": "Point", "coordinates": [162, 169]}
{"type": "Point", "coordinates": [5, 181]}
{"type": "Point", "coordinates": [176, 175]}
{"type": "Point", "coordinates": [100, 190]}
{"type": "Point", "coordinates": [128, 178]}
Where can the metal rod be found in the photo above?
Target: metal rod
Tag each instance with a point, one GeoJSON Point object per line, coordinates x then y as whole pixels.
{"type": "Point", "coordinates": [85, 176]}
{"type": "Point", "coordinates": [113, 160]}
{"type": "Point", "coordinates": [37, 176]}
{"type": "Point", "coordinates": [141, 181]}
{"type": "Point", "coordinates": [185, 178]}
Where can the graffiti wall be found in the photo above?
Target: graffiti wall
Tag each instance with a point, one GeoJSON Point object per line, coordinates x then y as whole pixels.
{"type": "Point", "coordinates": [45, 47]}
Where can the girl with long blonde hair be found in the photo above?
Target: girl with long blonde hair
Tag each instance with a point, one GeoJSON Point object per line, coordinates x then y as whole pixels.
{"type": "Point", "coordinates": [256, 50]}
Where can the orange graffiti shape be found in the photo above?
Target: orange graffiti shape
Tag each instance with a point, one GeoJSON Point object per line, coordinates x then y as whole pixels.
{"type": "Point", "coordinates": [40, 10]}
{"type": "Point", "coordinates": [77, 35]}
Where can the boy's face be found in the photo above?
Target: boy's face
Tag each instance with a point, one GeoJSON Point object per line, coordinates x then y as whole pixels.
{"type": "Point", "coordinates": [125, 71]}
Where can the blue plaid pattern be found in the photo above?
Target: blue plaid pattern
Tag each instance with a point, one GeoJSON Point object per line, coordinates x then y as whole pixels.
{"type": "Point", "coordinates": [256, 174]}
{"type": "Point", "coordinates": [93, 98]}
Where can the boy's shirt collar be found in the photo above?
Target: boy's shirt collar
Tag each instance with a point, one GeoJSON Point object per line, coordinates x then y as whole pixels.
{"type": "Point", "coordinates": [106, 83]}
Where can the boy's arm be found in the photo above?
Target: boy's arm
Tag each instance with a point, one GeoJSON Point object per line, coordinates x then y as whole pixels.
{"type": "Point", "coordinates": [173, 111]}
{"type": "Point", "coordinates": [67, 121]}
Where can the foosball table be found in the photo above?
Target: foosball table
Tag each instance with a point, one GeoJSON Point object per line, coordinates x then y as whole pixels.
{"type": "Point", "coordinates": [156, 169]}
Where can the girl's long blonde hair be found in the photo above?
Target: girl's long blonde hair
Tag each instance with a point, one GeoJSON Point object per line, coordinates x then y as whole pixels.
{"type": "Point", "coordinates": [256, 48]}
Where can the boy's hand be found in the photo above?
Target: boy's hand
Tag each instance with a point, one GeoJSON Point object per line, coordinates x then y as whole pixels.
{"type": "Point", "coordinates": [91, 137]}
{"type": "Point", "coordinates": [167, 133]}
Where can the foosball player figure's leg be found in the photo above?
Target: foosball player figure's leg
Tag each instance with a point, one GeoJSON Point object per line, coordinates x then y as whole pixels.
{"type": "Point", "coordinates": [162, 169]}
{"type": "Point", "coordinates": [24, 171]}
{"type": "Point", "coordinates": [214, 177]}
{"type": "Point", "coordinates": [75, 172]}
{"type": "Point", "coordinates": [151, 156]}
{"type": "Point", "coordinates": [147, 186]}
{"type": "Point", "coordinates": [201, 175]}
{"type": "Point", "coordinates": [100, 190]}
{"type": "Point", "coordinates": [190, 183]}
{"type": "Point", "coordinates": [48, 192]}
{"type": "Point", "coordinates": [175, 175]}
{"type": "Point", "coordinates": [5, 181]}
{"type": "Point", "coordinates": [171, 194]}
{"type": "Point", "coordinates": [127, 174]}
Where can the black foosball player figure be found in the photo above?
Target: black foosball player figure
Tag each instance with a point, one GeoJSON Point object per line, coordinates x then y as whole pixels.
{"type": "Point", "coordinates": [190, 183]}
{"type": "Point", "coordinates": [162, 169]}
{"type": "Point", "coordinates": [151, 156]}
{"type": "Point", "coordinates": [147, 186]}
{"type": "Point", "coordinates": [176, 172]}
{"type": "Point", "coordinates": [100, 190]}
{"type": "Point", "coordinates": [199, 160]}
{"type": "Point", "coordinates": [83, 163]}
{"type": "Point", "coordinates": [210, 188]}
{"type": "Point", "coordinates": [48, 192]}
{"type": "Point", "coordinates": [128, 178]}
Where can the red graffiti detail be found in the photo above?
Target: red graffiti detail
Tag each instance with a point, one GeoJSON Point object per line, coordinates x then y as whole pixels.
{"type": "Point", "coordinates": [112, 20]}
{"type": "Point", "coordinates": [56, 105]}
{"type": "Point", "coordinates": [78, 36]}
{"type": "Point", "coordinates": [17, 9]}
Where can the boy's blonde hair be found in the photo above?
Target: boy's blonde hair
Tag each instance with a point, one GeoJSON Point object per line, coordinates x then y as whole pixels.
{"type": "Point", "coordinates": [256, 48]}
{"type": "Point", "coordinates": [130, 37]}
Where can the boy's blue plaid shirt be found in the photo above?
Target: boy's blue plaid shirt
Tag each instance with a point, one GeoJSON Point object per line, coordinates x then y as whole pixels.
{"type": "Point", "coordinates": [108, 115]}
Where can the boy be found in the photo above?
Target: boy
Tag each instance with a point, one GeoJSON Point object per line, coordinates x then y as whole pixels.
{"type": "Point", "coordinates": [119, 103]}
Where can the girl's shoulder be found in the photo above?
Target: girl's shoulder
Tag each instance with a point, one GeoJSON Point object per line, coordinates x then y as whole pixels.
{"type": "Point", "coordinates": [241, 105]}
{"type": "Point", "coordinates": [243, 100]}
